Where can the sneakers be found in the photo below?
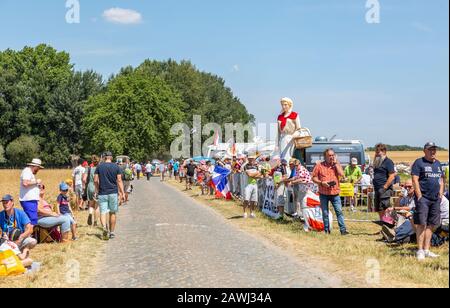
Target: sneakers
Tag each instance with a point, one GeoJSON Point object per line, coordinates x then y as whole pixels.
{"type": "Point", "coordinates": [421, 255]}
{"type": "Point", "coordinates": [252, 215]}
{"type": "Point", "coordinates": [112, 235]}
{"type": "Point", "coordinates": [105, 235]}
{"type": "Point", "coordinates": [245, 216]}
{"type": "Point", "coordinates": [345, 233]}
{"type": "Point", "coordinates": [431, 255]}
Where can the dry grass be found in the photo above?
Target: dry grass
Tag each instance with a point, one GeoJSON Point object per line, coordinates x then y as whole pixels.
{"type": "Point", "coordinates": [410, 156]}
{"type": "Point", "coordinates": [57, 260]}
{"type": "Point", "coordinates": [344, 256]}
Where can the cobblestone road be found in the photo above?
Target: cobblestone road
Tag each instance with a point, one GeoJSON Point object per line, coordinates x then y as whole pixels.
{"type": "Point", "coordinates": [165, 239]}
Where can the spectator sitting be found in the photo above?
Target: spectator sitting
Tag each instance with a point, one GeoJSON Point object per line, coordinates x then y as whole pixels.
{"type": "Point", "coordinates": [64, 208]}
{"type": "Point", "coordinates": [11, 220]}
{"type": "Point", "coordinates": [49, 219]}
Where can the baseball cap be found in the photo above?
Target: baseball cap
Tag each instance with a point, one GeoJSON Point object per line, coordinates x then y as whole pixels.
{"type": "Point", "coordinates": [430, 145]}
{"type": "Point", "coordinates": [354, 161]}
{"type": "Point", "coordinates": [108, 153]}
{"type": "Point", "coordinates": [63, 187]}
{"type": "Point", "coordinates": [7, 198]}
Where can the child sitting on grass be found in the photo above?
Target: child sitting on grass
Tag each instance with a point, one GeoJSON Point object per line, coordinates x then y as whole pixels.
{"type": "Point", "coordinates": [65, 209]}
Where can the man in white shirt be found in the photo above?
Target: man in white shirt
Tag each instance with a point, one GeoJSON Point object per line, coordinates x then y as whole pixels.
{"type": "Point", "coordinates": [148, 170]}
{"type": "Point", "coordinates": [30, 189]}
{"type": "Point", "coordinates": [78, 188]}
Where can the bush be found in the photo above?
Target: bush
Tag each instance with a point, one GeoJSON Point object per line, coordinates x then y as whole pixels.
{"type": "Point", "coordinates": [22, 150]}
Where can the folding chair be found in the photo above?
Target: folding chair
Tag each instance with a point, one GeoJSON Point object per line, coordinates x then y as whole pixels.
{"type": "Point", "coordinates": [47, 235]}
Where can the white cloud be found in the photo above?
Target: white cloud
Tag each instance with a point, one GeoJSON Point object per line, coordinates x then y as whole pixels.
{"type": "Point", "coordinates": [236, 68]}
{"type": "Point", "coordinates": [122, 16]}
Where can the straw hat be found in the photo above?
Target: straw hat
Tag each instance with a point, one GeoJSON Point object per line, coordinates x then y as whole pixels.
{"type": "Point", "coordinates": [36, 162]}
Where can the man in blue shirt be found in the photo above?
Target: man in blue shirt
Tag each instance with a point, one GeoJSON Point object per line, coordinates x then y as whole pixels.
{"type": "Point", "coordinates": [15, 219]}
{"type": "Point", "coordinates": [109, 185]}
{"type": "Point", "coordinates": [428, 180]}
{"type": "Point", "coordinates": [383, 179]}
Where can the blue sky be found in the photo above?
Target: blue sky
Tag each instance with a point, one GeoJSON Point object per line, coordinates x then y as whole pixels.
{"type": "Point", "coordinates": [375, 82]}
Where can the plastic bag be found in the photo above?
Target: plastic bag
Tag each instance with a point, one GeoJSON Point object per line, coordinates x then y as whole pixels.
{"type": "Point", "coordinates": [10, 264]}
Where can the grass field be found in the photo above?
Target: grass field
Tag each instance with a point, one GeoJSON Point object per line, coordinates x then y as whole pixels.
{"type": "Point", "coordinates": [352, 258]}
{"type": "Point", "coordinates": [69, 265]}
{"type": "Point", "coordinates": [411, 156]}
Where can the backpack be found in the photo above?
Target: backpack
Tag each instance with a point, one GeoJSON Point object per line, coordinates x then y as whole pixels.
{"type": "Point", "coordinates": [127, 174]}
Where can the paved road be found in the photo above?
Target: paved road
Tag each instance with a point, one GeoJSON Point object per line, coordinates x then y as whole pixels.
{"type": "Point", "coordinates": [166, 239]}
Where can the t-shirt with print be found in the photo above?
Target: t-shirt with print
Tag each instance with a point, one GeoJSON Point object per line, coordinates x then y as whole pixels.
{"type": "Point", "coordinates": [30, 193]}
{"type": "Point", "coordinates": [382, 173]}
{"type": "Point", "coordinates": [250, 167]}
{"type": "Point", "coordinates": [63, 203]}
{"type": "Point", "coordinates": [18, 221]}
{"type": "Point", "coordinates": [107, 174]}
{"type": "Point", "coordinates": [430, 174]}
{"type": "Point", "coordinates": [77, 174]}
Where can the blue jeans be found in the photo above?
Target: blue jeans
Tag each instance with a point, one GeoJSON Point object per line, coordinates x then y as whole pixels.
{"type": "Point", "coordinates": [50, 222]}
{"type": "Point", "coordinates": [336, 202]}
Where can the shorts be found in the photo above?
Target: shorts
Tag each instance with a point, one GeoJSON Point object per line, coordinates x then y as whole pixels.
{"type": "Point", "coordinates": [90, 194]}
{"type": "Point", "coordinates": [108, 204]}
{"type": "Point", "coordinates": [31, 209]}
{"type": "Point", "coordinates": [427, 212]}
{"type": "Point", "coordinates": [29, 243]}
{"type": "Point", "coordinates": [126, 186]}
{"type": "Point", "coordinates": [382, 199]}
{"type": "Point", "coordinates": [189, 179]}
{"type": "Point", "coordinates": [79, 191]}
{"type": "Point", "coordinates": [251, 193]}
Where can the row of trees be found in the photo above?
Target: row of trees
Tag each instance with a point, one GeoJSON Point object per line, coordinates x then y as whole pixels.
{"type": "Point", "coordinates": [48, 109]}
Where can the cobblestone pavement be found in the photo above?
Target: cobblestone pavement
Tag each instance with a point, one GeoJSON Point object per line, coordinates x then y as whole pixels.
{"type": "Point", "coordinates": [166, 239]}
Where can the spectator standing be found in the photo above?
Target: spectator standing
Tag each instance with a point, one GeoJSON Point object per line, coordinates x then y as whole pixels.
{"type": "Point", "coordinates": [251, 191]}
{"type": "Point", "coordinates": [384, 176]}
{"type": "Point", "coordinates": [138, 170]}
{"type": "Point", "coordinates": [428, 181]}
{"type": "Point", "coordinates": [29, 190]}
{"type": "Point", "coordinates": [127, 177]}
{"type": "Point", "coordinates": [353, 175]}
{"type": "Point", "coordinates": [190, 173]}
{"type": "Point", "coordinates": [162, 170]}
{"type": "Point", "coordinates": [326, 175]}
{"type": "Point", "coordinates": [90, 192]}
{"type": "Point", "coordinates": [148, 170]}
{"type": "Point", "coordinates": [64, 209]}
{"type": "Point", "coordinates": [109, 185]}
{"type": "Point", "coordinates": [77, 176]}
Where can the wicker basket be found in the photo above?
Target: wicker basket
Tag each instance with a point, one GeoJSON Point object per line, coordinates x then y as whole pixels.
{"type": "Point", "coordinates": [305, 140]}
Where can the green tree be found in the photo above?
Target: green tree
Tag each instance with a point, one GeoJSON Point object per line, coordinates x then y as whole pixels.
{"type": "Point", "coordinates": [133, 116]}
{"type": "Point", "coordinates": [42, 96]}
{"type": "Point", "coordinates": [22, 150]}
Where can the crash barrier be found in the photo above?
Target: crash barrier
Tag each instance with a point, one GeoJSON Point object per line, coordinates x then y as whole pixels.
{"type": "Point", "coordinates": [357, 200]}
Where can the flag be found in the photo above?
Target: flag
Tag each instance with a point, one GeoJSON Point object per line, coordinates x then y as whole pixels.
{"type": "Point", "coordinates": [220, 182]}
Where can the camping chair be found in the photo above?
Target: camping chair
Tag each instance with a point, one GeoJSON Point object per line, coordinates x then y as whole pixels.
{"type": "Point", "coordinates": [47, 235]}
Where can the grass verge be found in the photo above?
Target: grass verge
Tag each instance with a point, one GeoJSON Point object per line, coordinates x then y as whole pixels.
{"type": "Point", "coordinates": [354, 258]}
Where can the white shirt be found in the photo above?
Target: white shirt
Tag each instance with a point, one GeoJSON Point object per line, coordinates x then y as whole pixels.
{"type": "Point", "coordinates": [444, 208]}
{"type": "Point", "coordinates": [30, 193]}
{"type": "Point", "coordinates": [148, 168]}
{"type": "Point", "coordinates": [366, 181]}
{"type": "Point", "coordinates": [78, 175]}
